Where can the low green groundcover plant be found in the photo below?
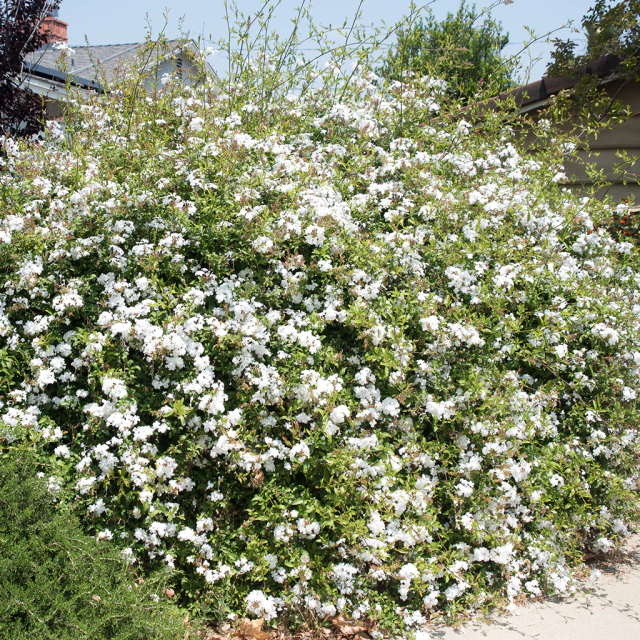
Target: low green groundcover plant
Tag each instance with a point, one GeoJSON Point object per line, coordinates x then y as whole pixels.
{"type": "Point", "coordinates": [57, 582]}
{"type": "Point", "coordinates": [321, 352]}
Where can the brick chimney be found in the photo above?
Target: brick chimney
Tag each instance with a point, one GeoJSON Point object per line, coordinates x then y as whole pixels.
{"type": "Point", "coordinates": [54, 29]}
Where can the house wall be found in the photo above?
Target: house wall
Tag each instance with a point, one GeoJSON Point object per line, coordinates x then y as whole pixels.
{"type": "Point", "coordinates": [53, 93]}
{"type": "Point", "coordinates": [189, 74]}
{"type": "Point", "coordinates": [53, 109]}
{"type": "Point", "coordinates": [603, 152]}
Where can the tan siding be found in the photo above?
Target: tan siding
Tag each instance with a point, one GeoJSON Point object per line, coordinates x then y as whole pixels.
{"type": "Point", "coordinates": [630, 94]}
{"type": "Point", "coordinates": [626, 137]}
{"type": "Point", "coordinates": [615, 192]}
{"type": "Point", "coordinates": [618, 192]}
{"type": "Point", "coordinates": [606, 160]}
{"type": "Point", "coordinates": [619, 137]}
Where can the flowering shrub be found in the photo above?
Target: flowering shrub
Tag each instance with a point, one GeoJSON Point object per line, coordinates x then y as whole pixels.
{"type": "Point", "coordinates": [321, 353]}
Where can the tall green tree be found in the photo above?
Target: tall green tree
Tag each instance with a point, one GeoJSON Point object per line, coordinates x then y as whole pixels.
{"type": "Point", "coordinates": [464, 49]}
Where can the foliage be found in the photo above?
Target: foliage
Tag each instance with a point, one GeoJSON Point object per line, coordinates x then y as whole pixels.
{"type": "Point", "coordinates": [20, 109]}
{"type": "Point", "coordinates": [323, 350]}
{"type": "Point", "coordinates": [612, 27]}
{"type": "Point", "coordinates": [459, 49]}
{"type": "Point", "coordinates": [57, 582]}
{"type": "Point", "coordinates": [613, 30]}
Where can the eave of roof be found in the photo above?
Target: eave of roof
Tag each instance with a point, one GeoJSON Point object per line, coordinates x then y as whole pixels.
{"type": "Point", "coordinates": [59, 76]}
{"type": "Point", "coordinates": [537, 94]}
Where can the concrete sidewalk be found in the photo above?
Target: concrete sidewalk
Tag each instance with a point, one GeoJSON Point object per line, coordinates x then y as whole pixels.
{"type": "Point", "coordinates": [606, 609]}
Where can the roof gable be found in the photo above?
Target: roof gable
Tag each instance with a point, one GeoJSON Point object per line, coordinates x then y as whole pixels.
{"type": "Point", "coordinates": [89, 65]}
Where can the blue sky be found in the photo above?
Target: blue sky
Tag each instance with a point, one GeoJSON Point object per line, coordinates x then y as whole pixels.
{"type": "Point", "coordinates": [121, 21]}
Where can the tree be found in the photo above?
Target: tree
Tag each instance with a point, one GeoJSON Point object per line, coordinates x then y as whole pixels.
{"type": "Point", "coordinates": [20, 109]}
{"type": "Point", "coordinates": [459, 49]}
{"type": "Point", "coordinates": [613, 30]}
{"type": "Point", "coordinates": [612, 27]}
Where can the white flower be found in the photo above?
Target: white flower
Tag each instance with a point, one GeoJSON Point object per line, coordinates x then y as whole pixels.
{"type": "Point", "coordinates": [63, 46]}
{"type": "Point", "coordinates": [390, 407]}
{"type": "Point", "coordinates": [84, 485]}
{"type": "Point", "coordinates": [262, 606]}
{"type": "Point", "coordinates": [263, 244]}
{"type": "Point", "coordinates": [314, 235]}
{"type": "Point", "coordinates": [455, 590]}
{"type": "Point", "coordinates": [556, 480]}
{"type": "Point", "coordinates": [46, 377]}
{"type": "Point", "coordinates": [114, 388]}
{"type": "Point", "coordinates": [430, 323]}
{"type": "Point", "coordinates": [66, 301]}
{"type": "Point", "coordinates": [339, 414]}
{"type": "Point", "coordinates": [603, 545]}
{"type": "Point", "coordinates": [308, 530]}
{"type": "Point", "coordinates": [431, 600]}
{"type": "Point", "coordinates": [628, 394]}
{"type": "Point", "coordinates": [465, 488]}
{"type": "Point", "coordinates": [561, 350]}
{"type": "Point", "coordinates": [533, 587]}
{"type": "Point", "coordinates": [196, 124]}
{"type": "Point", "coordinates": [54, 484]}
{"type": "Point", "coordinates": [440, 410]}
{"type": "Point", "coordinates": [376, 525]}
{"type": "Point", "coordinates": [503, 554]}
{"type": "Point", "coordinates": [299, 452]}
{"type": "Point", "coordinates": [128, 556]}
{"type": "Point", "coordinates": [343, 575]}
{"type": "Point", "coordinates": [412, 314]}
{"type": "Point", "coordinates": [62, 451]}
{"type": "Point", "coordinates": [165, 467]}
{"type": "Point", "coordinates": [204, 524]}
{"type": "Point", "coordinates": [97, 508]}
{"type": "Point", "coordinates": [407, 573]}
{"type": "Point", "coordinates": [481, 554]}
{"type": "Point", "coordinates": [607, 333]}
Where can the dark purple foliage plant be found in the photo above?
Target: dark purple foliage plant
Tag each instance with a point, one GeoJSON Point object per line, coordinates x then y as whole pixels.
{"type": "Point", "coordinates": [20, 109]}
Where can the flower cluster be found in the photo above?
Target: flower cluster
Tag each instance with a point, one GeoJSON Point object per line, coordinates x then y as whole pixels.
{"type": "Point", "coordinates": [324, 356]}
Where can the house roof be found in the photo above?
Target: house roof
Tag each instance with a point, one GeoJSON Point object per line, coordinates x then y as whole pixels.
{"type": "Point", "coordinates": [85, 61]}
{"type": "Point", "coordinates": [88, 65]}
{"type": "Point", "coordinates": [534, 94]}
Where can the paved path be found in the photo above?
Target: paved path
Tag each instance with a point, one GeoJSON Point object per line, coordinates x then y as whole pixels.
{"type": "Point", "coordinates": [608, 609]}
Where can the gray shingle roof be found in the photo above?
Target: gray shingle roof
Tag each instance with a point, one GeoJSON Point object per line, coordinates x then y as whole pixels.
{"type": "Point", "coordinates": [87, 63]}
